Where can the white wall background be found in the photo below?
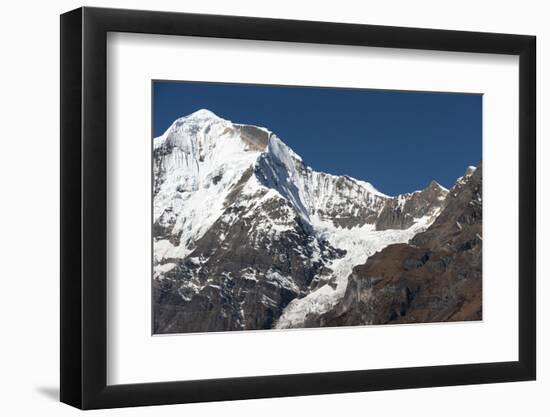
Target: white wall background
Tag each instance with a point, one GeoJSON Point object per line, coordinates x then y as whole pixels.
{"type": "Point", "coordinates": [29, 296]}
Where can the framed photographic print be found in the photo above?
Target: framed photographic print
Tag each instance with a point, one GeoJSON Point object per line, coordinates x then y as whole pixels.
{"type": "Point", "coordinates": [257, 208]}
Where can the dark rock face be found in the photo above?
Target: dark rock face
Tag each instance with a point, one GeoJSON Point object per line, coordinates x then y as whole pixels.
{"type": "Point", "coordinates": [434, 278]}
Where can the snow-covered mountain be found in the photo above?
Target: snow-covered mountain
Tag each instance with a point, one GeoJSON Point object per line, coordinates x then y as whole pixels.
{"type": "Point", "coordinates": [247, 236]}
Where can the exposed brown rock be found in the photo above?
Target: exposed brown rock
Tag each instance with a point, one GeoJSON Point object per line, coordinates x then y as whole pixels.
{"type": "Point", "coordinates": [436, 277]}
{"type": "Point", "coordinates": [254, 137]}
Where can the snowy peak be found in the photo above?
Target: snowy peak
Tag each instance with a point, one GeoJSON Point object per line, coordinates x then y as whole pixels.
{"type": "Point", "coordinates": [199, 118]}
{"type": "Point", "coordinates": [434, 185]}
{"type": "Point", "coordinates": [461, 181]}
{"type": "Point", "coordinates": [204, 130]}
{"type": "Point", "coordinates": [203, 114]}
{"type": "Point", "coordinates": [470, 170]}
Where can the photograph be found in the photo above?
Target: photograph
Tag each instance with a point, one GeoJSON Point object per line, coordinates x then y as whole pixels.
{"type": "Point", "coordinates": [270, 209]}
{"type": "Point", "coordinates": [291, 207]}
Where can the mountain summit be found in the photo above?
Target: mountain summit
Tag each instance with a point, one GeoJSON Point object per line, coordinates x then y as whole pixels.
{"type": "Point", "coordinates": [203, 114]}
{"type": "Point", "coordinates": [246, 236]}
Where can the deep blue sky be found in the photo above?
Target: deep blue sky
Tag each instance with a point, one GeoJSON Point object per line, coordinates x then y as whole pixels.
{"type": "Point", "coordinates": [398, 141]}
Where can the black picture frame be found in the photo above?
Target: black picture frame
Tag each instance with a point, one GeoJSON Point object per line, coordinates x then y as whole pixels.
{"type": "Point", "coordinates": [84, 207]}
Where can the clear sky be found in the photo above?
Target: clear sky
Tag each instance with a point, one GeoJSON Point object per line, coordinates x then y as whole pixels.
{"type": "Point", "coordinates": [398, 141]}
